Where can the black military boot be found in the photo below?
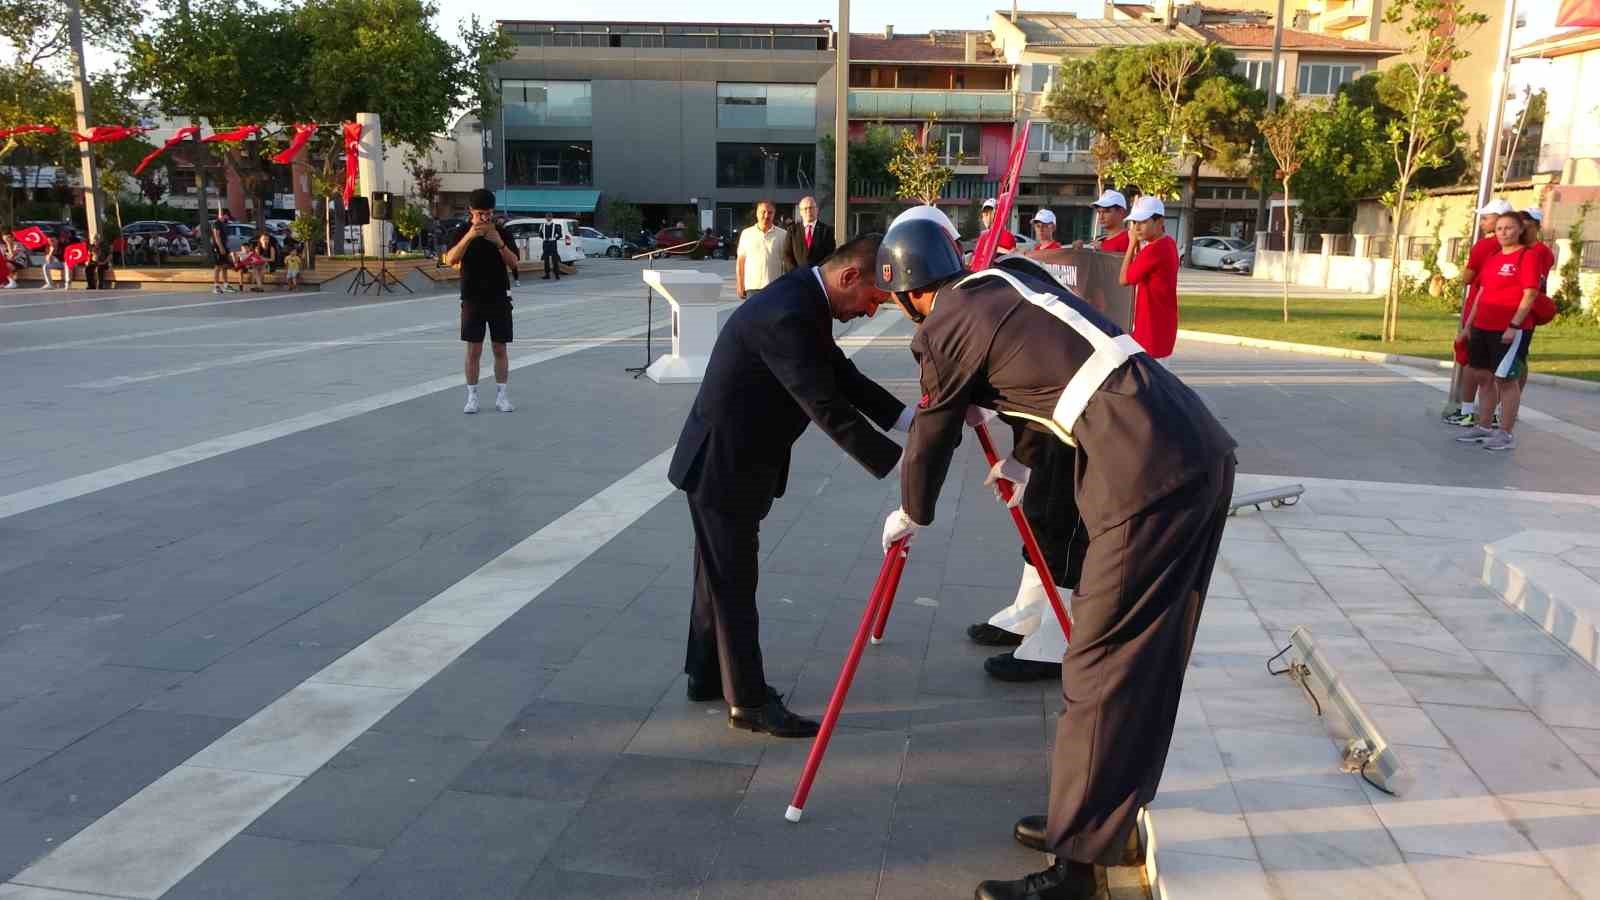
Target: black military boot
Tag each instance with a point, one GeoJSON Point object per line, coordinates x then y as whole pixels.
{"type": "Point", "coordinates": [1006, 667]}
{"type": "Point", "coordinates": [990, 636]}
{"type": "Point", "coordinates": [1062, 881]}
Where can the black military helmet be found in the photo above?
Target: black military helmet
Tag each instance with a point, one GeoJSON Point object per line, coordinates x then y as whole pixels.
{"type": "Point", "coordinates": [916, 253]}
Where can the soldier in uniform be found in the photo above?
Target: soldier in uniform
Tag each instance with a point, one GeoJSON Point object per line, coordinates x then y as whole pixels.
{"type": "Point", "coordinates": [1153, 477]}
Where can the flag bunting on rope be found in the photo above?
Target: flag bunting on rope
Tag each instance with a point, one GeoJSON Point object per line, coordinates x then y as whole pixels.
{"type": "Point", "coordinates": [180, 135]}
{"type": "Point", "coordinates": [302, 136]}
{"type": "Point", "coordinates": [237, 134]}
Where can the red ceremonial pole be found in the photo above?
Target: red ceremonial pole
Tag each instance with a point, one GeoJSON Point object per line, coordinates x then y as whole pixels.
{"type": "Point", "coordinates": [889, 589]}
{"type": "Point", "coordinates": [893, 561]}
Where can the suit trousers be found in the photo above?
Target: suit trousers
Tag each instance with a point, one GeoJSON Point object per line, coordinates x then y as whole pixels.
{"type": "Point", "coordinates": [724, 626]}
{"type": "Point", "coordinates": [552, 259]}
{"type": "Point", "coordinates": [1135, 613]}
{"type": "Point", "coordinates": [1051, 509]}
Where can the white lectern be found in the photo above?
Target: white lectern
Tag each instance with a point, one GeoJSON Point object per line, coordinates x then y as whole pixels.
{"type": "Point", "coordinates": [698, 311]}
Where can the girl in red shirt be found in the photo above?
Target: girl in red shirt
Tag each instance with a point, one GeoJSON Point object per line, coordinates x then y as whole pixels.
{"type": "Point", "coordinates": [1501, 328]}
{"type": "Point", "coordinates": [1150, 264]}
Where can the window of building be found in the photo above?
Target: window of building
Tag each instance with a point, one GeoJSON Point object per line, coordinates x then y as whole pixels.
{"type": "Point", "coordinates": [1224, 192]}
{"type": "Point", "coordinates": [954, 142]}
{"type": "Point", "coordinates": [1043, 139]}
{"type": "Point", "coordinates": [766, 105]}
{"type": "Point", "coordinates": [1256, 72]}
{"type": "Point", "coordinates": [550, 162]}
{"type": "Point", "coordinates": [766, 165]}
{"type": "Point", "coordinates": [550, 104]}
{"type": "Point", "coordinates": [1322, 79]}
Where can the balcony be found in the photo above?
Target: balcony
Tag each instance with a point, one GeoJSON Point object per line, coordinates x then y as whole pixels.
{"type": "Point", "coordinates": [1339, 15]}
{"type": "Point", "coordinates": [1063, 162]}
{"type": "Point", "coordinates": [963, 189]}
{"type": "Point", "coordinates": [949, 106]}
{"type": "Point", "coordinates": [965, 165]}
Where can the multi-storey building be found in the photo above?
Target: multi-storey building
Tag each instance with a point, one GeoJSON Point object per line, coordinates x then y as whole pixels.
{"type": "Point", "coordinates": [684, 119]}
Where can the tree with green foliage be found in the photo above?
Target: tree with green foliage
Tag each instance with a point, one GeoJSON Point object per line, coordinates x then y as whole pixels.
{"type": "Point", "coordinates": [869, 157]}
{"type": "Point", "coordinates": [1429, 106]}
{"type": "Point", "coordinates": [408, 220]}
{"type": "Point", "coordinates": [1569, 287]}
{"type": "Point", "coordinates": [624, 218]}
{"type": "Point", "coordinates": [1345, 158]}
{"type": "Point", "coordinates": [1285, 131]}
{"type": "Point", "coordinates": [916, 169]}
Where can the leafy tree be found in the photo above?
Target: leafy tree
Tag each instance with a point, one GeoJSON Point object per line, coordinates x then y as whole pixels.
{"type": "Point", "coordinates": [427, 182]}
{"type": "Point", "coordinates": [485, 46]}
{"type": "Point", "coordinates": [408, 220]}
{"type": "Point", "coordinates": [869, 157]}
{"type": "Point", "coordinates": [1569, 290]}
{"type": "Point", "coordinates": [1429, 107]}
{"type": "Point", "coordinates": [1285, 132]}
{"type": "Point", "coordinates": [1345, 158]}
{"type": "Point", "coordinates": [624, 218]}
{"type": "Point", "coordinates": [917, 170]}
{"type": "Point", "coordinates": [1141, 160]}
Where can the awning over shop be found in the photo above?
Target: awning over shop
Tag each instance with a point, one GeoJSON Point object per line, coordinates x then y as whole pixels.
{"type": "Point", "coordinates": [533, 200]}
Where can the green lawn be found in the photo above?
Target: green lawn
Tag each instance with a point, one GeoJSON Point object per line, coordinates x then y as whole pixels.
{"type": "Point", "coordinates": [1560, 349]}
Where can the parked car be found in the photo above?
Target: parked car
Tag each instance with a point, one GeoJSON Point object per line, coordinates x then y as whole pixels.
{"type": "Point", "coordinates": [1243, 262]}
{"type": "Point", "coordinates": [527, 231]}
{"type": "Point", "coordinates": [63, 230]}
{"type": "Point", "coordinates": [149, 228]}
{"type": "Point", "coordinates": [237, 234]}
{"type": "Point", "coordinates": [593, 243]}
{"type": "Point", "coordinates": [1210, 249]}
{"type": "Point", "coordinates": [711, 243]}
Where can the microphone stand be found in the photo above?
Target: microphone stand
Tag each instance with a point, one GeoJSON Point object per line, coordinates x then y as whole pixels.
{"type": "Point", "coordinates": [649, 307]}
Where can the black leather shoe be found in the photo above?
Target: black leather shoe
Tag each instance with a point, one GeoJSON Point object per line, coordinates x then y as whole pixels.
{"type": "Point", "coordinates": [706, 691]}
{"type": "Point", "coordinates": [1029, 832]}
{"type": "Point", "coordinates": [774, 719]}
{"type": "Point", "coordinates": [990, 636]}
{"type": "Point", "coordinates": [1006, 667]}
{"type": "Point", "coordinates": [1063, 881]}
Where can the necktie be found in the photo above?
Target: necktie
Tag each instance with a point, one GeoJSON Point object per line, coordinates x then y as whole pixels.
{"type": "Point", "coordinates": [808, 237]}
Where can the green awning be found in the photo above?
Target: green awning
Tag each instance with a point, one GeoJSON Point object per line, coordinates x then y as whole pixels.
{"type": "Point", "coordinates": [533, 200]}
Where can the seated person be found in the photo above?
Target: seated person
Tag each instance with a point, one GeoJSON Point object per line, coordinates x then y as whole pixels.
{"type": "Point", "coordinates": [54, 263]}
{"type": "Point", "coordinates": [261, 255]}
{"type": "Point", "coordinates": [97, 271]}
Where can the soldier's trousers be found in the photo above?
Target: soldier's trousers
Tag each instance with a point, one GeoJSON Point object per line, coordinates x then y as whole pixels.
{"type": "Point", "coordinates": [1136, 609]}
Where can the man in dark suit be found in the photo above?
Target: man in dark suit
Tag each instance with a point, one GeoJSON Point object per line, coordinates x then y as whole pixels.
{"type": "Point", "coordinates": [810, 241]}
{"type": "Point", "coordinates": [774, 369]}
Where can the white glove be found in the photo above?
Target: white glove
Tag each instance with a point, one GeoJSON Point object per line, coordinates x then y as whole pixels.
{"type": "Point", "coordinates": [903, 424]}
{"type": "Point", "coordinates": [897, 526]}
{"type": "Point", "coordinates": [1012, 471]}
{"type": "Point", "coordinates": [980, 415]}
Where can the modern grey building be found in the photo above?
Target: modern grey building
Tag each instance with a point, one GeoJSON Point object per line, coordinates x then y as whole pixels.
{"type": "Point", "coordinates": [681, 119]}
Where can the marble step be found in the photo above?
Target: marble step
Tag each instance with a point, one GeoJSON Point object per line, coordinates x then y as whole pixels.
{"type": "Point", "coordinates": [1552, 577]}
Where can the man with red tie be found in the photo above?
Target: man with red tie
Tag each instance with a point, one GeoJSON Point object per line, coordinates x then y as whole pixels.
{"type": "Point", "coordinates": [810, 241]}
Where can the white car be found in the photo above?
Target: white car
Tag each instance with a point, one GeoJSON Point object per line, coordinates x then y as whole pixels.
{"type": "Point", "coordinates": [593, 243]}
{"type": "Point", "coordinates": [1210, 250]}
{"type": "Point", "coordinates": [526, 231]}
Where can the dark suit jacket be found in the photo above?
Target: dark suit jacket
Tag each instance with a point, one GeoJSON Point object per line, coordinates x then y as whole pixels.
{"type": "Point", "coordinates": [795, 254]}
{"type": "Point", "coordinates": [774, 369]}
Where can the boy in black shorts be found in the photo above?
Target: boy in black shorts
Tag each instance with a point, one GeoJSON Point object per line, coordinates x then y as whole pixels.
{"type": "Point", "coordinates": [481, 251]}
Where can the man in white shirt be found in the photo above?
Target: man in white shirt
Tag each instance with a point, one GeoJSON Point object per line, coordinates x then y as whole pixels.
{"type": "Point", "coordinates": [760, 254]}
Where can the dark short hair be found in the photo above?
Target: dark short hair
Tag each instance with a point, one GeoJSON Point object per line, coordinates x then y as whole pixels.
{"type": "Point", "coordinates": [860, 251]}
{"type": "Point", "coordinates": [480, 198]}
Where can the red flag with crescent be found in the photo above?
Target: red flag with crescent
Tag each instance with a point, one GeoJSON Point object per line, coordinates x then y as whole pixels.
{"type": "Point", "coordinates": [103, 134]}
{"type": "Point", "coordinates": [352, 159]}
{"type": "Point", "coordinates": [75, 254]}
{"type": "Point", "coordinates": [182, 134]}
{"type": "Point", "coordinates": [1574, 13]}
{"type": "Point", "coordinates": [989, 241]}
{"type": "Point", "coordinates": [32, 237]}
{"type": "Point", "coordinates": [302, 136]}
{"type": "Point", "coordinates": [237, 134]}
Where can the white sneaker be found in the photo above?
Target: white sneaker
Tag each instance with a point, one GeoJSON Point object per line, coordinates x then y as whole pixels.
{"type": "Point", "coordinates": [12, 283]}
{"type": "Point", "coordinates": [1477, 433]}
{"type": "Point", "coordinates": [472, 404]}
{"type": "Point", "coordinates": [216, 289]}
{"type": "Point", "coordinates": [230, 289]}
{"type": "Point", "coordinates": [1503, 440]}
{"type": "Point", "coordinates": [503, 403]}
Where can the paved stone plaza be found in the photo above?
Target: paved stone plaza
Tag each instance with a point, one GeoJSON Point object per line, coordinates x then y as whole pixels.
{"type": "Point", "coordinates": [278, 621]}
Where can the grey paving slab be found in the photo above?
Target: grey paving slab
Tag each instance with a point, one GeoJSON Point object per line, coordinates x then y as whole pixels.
{"type": "Point", "coordinates": [552, 751]}
{"type": "Point", "coordinates": [250, 866]}
{"type": "Point", "coordinates": [553, 883]}
{"type": "Point", "coordinates": [56, 718]}
{"type": "Point", "coordinates": [474, 697]}
{"type": "Point", "coordinates": [601, 584]}
{"type": "Point", "coordinates": [626, 672]}
{"type": "Point", "coordinates": [370, 791]}
{"type": "Point", "coordinates": [25, 836]}
{"type": "Point", "coordinates": [241, 683]}
{"type": "Point", "coordinates": [655, 819]}
{"type": "Point", "coordinates": [18, 759]}
{"type": "Point", "coordinates": [466, 845]}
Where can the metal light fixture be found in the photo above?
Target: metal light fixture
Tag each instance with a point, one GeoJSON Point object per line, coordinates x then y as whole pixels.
{"type": "Point", "coordinates": [1365, 751]}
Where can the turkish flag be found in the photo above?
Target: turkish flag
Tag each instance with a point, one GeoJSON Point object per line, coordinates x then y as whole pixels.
{"type": "Point", "coordinates": [989, 241]}
{"type": "Point", "coordinates": [31, 237]}
{"type": "Point", "coordinates": [1578, 13]}
{"type": "Point", "coordinates": [75, 254]}
{"type": "Point", "coordinates": [237, 134]}
{"type": "Point", "coordinates": [302, 136]}
{"type": "Point", "coordinates": [102, 134]}
{"type": "Point", "coordinates": [28, 129]}
{"type": "Point", "coordinates": [180, 135]}
{"type": "Point", "coordinates": [352, 159]}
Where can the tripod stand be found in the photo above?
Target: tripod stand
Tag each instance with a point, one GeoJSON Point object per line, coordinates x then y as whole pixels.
{"type": "Point", "coordinates": [649, 314]}
{"type": "Point", "coordinates": [364, 280]}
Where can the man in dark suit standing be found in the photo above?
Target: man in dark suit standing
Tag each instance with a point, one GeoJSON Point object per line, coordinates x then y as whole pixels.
{"type": "Point", "coordinates": [774, 369]}
{"type": "Point", "coordinates": [549, 235]}
{"type": "Point", "coordinates": [810, 241]}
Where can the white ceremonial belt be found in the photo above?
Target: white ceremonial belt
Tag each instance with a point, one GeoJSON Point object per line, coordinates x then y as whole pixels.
{"type": "Point", "coordinates": [1110, 352]}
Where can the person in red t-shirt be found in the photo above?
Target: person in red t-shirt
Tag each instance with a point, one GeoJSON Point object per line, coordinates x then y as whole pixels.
{"type": "Point", "coordinates": [1008, 241]}
{"type": "Point", "coordinates": [1150, 264]}
{"type": "Point", "coordinates": [1532, 222]}
{"type": "Point", "coordinates": [1044, 230]}
{"type": "Point", "coordinates": [1109, 212]}
{"type": "Point", "coordinates": [1501, 329]}
{"type": "Point", "coordinates": [1486, 246]}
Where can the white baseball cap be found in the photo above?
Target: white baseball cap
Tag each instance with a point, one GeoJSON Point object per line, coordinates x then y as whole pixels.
{"type": "Point", "coordinates": [1534, 214]}
{"type": "Point", "coordinates": [1045, 216]}
{"type": "Point", "coordinates": [932, 214]}
{"type": "Point", "coordinates": [1496, 207]}
{"type": "Point", "coordinates": [989, 203]}
{"type": "Point", "coordinates": [1111, 198]}
{"type": "Point", "coordinates": [1146, 207]}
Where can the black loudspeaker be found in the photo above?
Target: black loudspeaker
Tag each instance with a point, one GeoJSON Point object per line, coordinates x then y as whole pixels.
{"type": "Point", "coordinates": [382, 206]}
{"type": "Point", "coordinates": [359, 213]}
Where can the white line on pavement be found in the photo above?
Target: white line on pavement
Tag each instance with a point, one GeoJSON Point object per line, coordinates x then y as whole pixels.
{"type": "Point", "coordinates": [136, 312]}
{"type": "Point", "coordinates": [134, 295]}
{"type": "Point", "coordinates": [1577, 434]}
{"type": "Point", "coordinates": [158, 836]}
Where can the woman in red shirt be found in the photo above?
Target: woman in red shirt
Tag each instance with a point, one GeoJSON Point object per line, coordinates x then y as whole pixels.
{"type": "Point", "coordinates": [1150, 264]}
{"type": "Point", "coordinates": [1500, 330]}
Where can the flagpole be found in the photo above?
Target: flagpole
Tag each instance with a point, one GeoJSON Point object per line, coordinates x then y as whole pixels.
{"type": "Point", "coordinates": [80, 102]}
{"type": "Point", "coordinates": [841, 124]}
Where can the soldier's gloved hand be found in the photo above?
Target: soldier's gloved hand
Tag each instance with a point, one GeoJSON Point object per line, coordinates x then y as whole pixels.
{"type": "Point", "coordinates": [1012, 471]}
{"type": "Point", "coordinates": [897, 526]}
{"type": "Point", "coordinates": [980, 415]}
